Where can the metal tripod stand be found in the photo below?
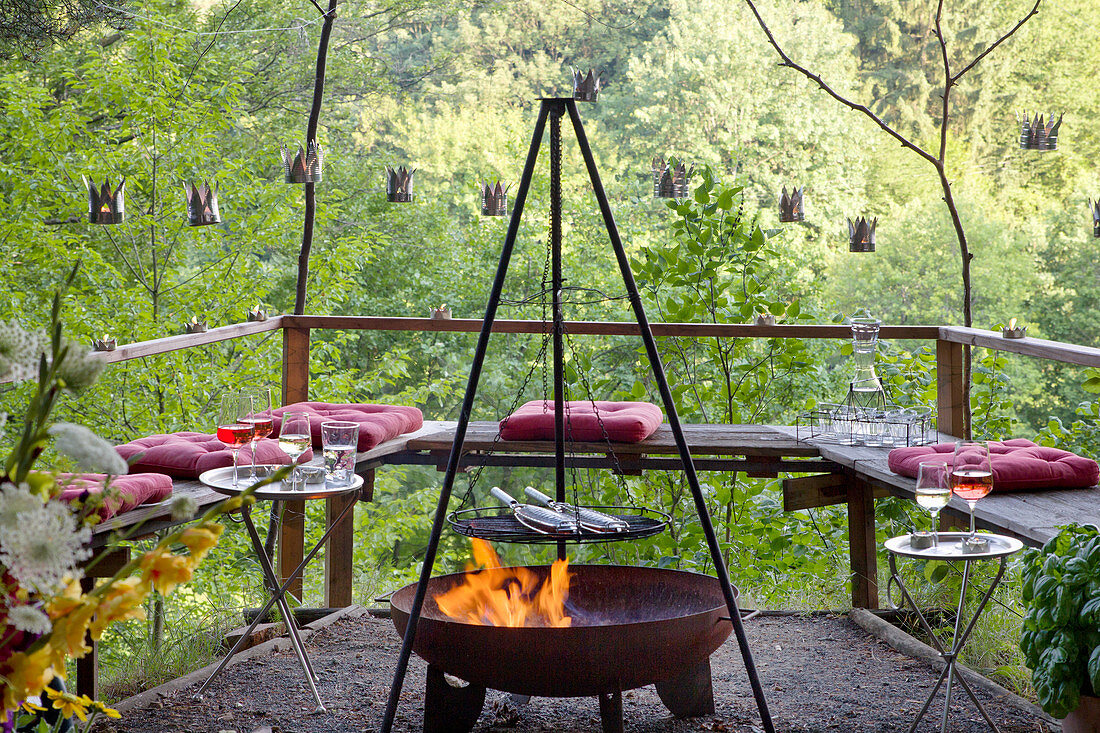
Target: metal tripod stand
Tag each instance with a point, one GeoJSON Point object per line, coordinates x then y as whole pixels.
{"type": "Point", "coordinates": [554, 109]}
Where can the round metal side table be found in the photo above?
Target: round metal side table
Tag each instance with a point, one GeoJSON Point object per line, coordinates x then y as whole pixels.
{"type": "Point", "coordinates": [221, 480]}
{"type": "Point", "coordinates": [950, 549]}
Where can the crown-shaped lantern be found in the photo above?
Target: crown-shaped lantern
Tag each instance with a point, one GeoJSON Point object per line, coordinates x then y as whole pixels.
{"type": "Point", "coordinates": [671, 178]}
{"type": "Point", "coordinates": [790, 206]}
{"type": "Point", "coordinates": [1095, 206]}
{"type": "Point", "coordinates": [494, 199]}
{"type": "Point", "coordinates": [586, 88]}
{"type": "Point", "coordinates": [305, 166]}
{"type": "Point", "coordinates": [202, 204]}
{"type": "Point", "coordinates": [105, 206]}
{"type": "Point", "coordinates": [1038, 135]}
{"type": "Point", "coordinates": [399, 184]}
{"type": "Point", "coordinates": [861, 235]}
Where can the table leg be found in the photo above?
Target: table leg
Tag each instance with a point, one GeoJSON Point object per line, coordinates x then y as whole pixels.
{"type": "Point", "coordinates": [862, 548]}
{"type": "Point", "coordinates": [279, 596]}
{"type": "Point", "coordinates": [958, 640]}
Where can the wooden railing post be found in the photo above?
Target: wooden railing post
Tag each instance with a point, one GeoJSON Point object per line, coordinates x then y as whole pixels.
{"type": "Point", "coordinates": [295, 389]}
{"type": "Point", "coordinates": [952, 410]}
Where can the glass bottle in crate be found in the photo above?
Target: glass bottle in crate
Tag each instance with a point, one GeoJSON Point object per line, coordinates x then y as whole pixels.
{"type": "Point", "coordinates": [866, 397]}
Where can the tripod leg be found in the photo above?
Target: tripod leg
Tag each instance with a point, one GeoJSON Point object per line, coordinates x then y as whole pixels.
{"type": "Point", "coordinates": [673, 418]}
{"type": "Point", "coordinates": [463, 423]}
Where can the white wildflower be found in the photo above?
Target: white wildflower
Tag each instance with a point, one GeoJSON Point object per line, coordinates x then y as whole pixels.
{"type": "Point", "coordinates": [183, 508]}
{"type": "Point", "coordinates": [88, 450]}
{"type": "Point", "coordinates": [43, 548]}
{"type": "Point", "coordinates": [31, 619]}
{"type": "Point", "coordinates": [80, 367]}
{"type": "Point", "coordinates": [14, 501]}
{"type": "Point", "coordinates": [19, 352]}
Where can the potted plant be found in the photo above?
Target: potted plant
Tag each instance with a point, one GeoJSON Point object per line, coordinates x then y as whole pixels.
{"type": "Point", "coordinates": [1061, 634]}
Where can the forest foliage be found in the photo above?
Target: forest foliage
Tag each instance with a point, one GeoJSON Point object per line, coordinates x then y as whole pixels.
{"type": "Point", "coordinates": [180, 91]}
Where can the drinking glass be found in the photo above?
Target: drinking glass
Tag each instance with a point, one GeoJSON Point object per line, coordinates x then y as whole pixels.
{"type": "Point", "coordinates": [294, 439]}
{"type": "Point", "coordinates": [233, 430]}
{"type": "Point", "coordinates": [971, 478]}
{"type": "Point", "coordinates": [260, 418]}
{"type": "Point", "coordinates": [933, 493]}
{"type": "Point", "coordinates": [339, 441]}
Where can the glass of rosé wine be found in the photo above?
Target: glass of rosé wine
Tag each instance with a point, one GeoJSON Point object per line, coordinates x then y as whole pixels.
{"type": "Point", "coordinates": [971, 479]}
{"type": "Point", "coordinates": [233, 427]}
{"type": "Point", "coordinates": [259, 417]}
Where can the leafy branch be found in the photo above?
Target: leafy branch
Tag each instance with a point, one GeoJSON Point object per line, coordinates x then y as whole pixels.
{"type": "Point", "coordinates": [938, 160]}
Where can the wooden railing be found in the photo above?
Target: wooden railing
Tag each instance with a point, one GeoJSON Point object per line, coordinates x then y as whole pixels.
{"type": "Point", "coordinates": [950, 342]}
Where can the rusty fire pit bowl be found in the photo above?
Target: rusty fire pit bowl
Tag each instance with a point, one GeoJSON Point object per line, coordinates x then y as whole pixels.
{"type": "Point", "coordinates": [632, 626]}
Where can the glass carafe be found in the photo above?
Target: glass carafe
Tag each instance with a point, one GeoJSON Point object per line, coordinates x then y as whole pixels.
{"type": "Point", "coordinates": [866, 397]}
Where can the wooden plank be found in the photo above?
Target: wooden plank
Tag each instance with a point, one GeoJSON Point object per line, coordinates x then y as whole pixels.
{"type": "Point", "coordinates": [862, 547]}
{"type": "Point", "coordinates": [810, 492]}
{"type": "Point", "coordinates": [1038, 348]}
{"type": "Point", "coordinates": [292, 536]}
{"type": "Point", "coordinates": [951, 403]}
{"type": "Point", "coordinates": [295, 365]}
{"type": "Point", "coordinates": [724, 440]}
{"type": "Point", "coordinates": [756, 467]}
{"type": "Point", "coordinates": [340, 550]}
{"type": "Point", "coordinates": [601, 328]}
{"type": "Point", "coordinates": [142, 349]}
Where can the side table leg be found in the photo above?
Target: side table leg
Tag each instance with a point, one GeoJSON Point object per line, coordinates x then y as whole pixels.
{"type": "Point", "coordinates": [280, 599]}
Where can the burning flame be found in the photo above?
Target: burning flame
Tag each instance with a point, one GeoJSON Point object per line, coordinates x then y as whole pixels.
{"type": "Point", "coordinates": [494, 596]}
{"type": "Point", "coordinates": [1012, 324]}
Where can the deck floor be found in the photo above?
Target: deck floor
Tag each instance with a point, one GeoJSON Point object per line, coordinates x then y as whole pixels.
{"type": "Point", "coordinates": [820, 673]}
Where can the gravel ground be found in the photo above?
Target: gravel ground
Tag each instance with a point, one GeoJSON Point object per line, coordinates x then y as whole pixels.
{"type": "Point", "coordinates": [820, 673]}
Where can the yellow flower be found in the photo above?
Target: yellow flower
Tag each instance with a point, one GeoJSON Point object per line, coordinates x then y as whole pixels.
{"type": "Point", "coordinates": [199, 540]}
{"type": "Point", "coordinates": [69, 704]}
{"type": "Point", "coordinates": [64, 602]}
{"type": "Point", "coordinates": [69, 632]}
{"type": "Point", "coordinates": [26, 674]}
{"type": "Point", "coordinates": [30, 707]}
{"type": "Point", "coordinates": [121, 601]}
{"type": "Point", "coordinates": [99, 707]}
{"type": "Point", "coordinates": [164, 570]}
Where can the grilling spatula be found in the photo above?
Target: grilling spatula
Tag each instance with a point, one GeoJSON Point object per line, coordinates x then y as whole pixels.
{"type": "Point", "coordinates": [589, 519]}
{"type": "Point", "coordinates": [537, 518]}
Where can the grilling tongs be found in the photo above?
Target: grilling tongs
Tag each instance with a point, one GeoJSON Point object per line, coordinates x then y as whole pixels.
{"type": "Point", "coordinates": [588, 519]}
{"type": "Point", "coordinates": [537, 518]}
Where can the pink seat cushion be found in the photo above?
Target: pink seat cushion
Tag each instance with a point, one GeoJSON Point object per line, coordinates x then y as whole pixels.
{"type": "Point", "coordinates": [377, 423]}
{"type": "Point", "coordinates": [126, 492]}
{"type": "Point", "coordinates": [188, 455]}
{"type": "Point", "coordinates": [1017, 464]}
{"type": "Point", "coordinates": [625, 422]}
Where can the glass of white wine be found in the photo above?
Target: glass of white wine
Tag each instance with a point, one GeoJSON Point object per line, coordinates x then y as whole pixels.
{"type": "Point", "coordinates": [933, 491]}
{"type": "Point", "coordinates": [295, 439]}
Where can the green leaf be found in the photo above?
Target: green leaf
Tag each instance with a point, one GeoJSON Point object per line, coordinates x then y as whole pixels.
{"type": "Point", "coordinates": [1094, 669]}
{"type": "Point", "coordinates": [938, 574]}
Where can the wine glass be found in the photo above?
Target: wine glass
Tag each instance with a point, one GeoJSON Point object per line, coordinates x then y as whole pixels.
{"type": "Point", "coordinates": [933, 493]}
{"type": "Point", "coordinates": [295, 438]}
{"type": "Point", "coordinates": [971, 479]}
{"type": "Point", "coordinates": [260, 418]}
{"type": "Point", "coordinates": [233, 430]}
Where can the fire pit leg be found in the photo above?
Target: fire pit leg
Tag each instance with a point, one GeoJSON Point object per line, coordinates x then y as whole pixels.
{"type": "Point", "coordinates": [611, 712]}
{"type": "Point", "coordinates": [689, 695]}
{"type": "Point", "coordinates": [450, 709]}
